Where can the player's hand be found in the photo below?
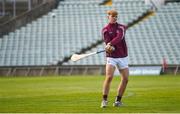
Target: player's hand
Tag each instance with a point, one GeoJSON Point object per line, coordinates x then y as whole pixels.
{"type": "Point", "coordinates": [109, 48]}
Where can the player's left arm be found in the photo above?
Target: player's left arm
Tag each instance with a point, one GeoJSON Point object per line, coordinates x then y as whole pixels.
{"type": "Point", "coordinates": [120, 35]}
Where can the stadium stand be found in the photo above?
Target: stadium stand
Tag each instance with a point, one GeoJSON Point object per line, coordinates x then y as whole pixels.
{"type": "Point", "coordinates": [150, 40]}
{"type": "Point", "coordinates": [48, 40]}
{"type": "Point", "coordinates": [76, 25]}
{"type": "Point", "coordinates": [11, 8]}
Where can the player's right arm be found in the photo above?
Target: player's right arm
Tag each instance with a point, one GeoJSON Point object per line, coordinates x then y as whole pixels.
{"type": "Point", "coordinates": [109, 48]}
{"type": "Point", "coordinates": [105, 35]}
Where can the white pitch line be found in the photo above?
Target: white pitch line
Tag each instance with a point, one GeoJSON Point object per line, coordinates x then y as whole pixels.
{"type": "Point", "coordinates": [129, 94]}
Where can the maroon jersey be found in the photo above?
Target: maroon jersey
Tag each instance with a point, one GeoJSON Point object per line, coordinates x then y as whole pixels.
{"type": "Point", "coordinates": [115, 34]}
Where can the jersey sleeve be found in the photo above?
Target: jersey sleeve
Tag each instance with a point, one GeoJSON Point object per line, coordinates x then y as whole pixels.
{"type": "Point", "coordinates": [105, 35]}
{"type": "Point", "coordinates": [120, 35]}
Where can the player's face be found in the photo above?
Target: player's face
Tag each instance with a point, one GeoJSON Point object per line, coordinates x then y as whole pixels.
{"type": "Point", "coordinates": [112, 19]}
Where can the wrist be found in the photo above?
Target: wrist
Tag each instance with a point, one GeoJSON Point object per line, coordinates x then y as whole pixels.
{"type": "Point", "coordinates": [109, 44]}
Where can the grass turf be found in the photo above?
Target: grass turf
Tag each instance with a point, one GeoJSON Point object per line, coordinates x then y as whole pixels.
{"type": "Point", "coordinates": [80, 94]}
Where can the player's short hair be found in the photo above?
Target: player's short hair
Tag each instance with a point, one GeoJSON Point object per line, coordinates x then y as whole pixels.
{"type": "Point", "coordinates": [113, 13]}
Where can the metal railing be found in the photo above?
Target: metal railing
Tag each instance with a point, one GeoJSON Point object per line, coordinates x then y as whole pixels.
{"type": "Point", "coordinates": [30, 5]}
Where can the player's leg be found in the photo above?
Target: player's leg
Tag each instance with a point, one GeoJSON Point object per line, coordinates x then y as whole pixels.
{"type": "Point", "coordinates": [124, 71]}
{"type": "Point", "coordinates": [109, 76]}
{"type": "Point", "coordinates": [106, 85]}
{"type": "Point", "coordinates": [122, 86]}
{"type": "Point", "coordinates": [124, 81]}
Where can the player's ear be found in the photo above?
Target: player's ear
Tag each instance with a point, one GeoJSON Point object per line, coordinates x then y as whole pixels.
{"type": "Point", "coordinates": [107, 16]}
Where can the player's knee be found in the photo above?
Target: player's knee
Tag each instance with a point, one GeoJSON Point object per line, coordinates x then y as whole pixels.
{"type": "Point", "coordinates": [125, 80]}
{"type": "Point", "coordinates": [109, 78]}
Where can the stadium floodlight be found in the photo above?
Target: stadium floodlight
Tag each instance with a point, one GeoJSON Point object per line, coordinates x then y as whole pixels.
{"type": "Point", "coordinates": [76, 57]}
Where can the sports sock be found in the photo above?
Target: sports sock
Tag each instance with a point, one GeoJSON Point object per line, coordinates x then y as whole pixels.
{"type": "Point", "coordinates": [118, 98]}
{"type": "Point", "coordinates": [105, 97]}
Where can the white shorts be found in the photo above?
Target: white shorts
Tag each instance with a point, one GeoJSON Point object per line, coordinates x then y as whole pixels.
{"type": "Point", "coordinates": [120, 63]}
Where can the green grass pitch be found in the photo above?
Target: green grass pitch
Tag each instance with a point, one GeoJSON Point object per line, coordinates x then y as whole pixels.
{"type": "Point", "coordinates": [82, 94]}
